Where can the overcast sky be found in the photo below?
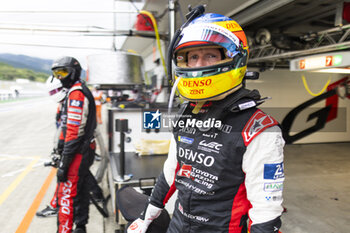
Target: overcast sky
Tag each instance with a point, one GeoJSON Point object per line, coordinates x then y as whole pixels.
{"type": "Point", "coordinates": [12, 41]}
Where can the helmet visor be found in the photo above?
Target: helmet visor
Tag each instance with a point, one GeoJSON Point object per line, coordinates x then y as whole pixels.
{"type": "Point", "coordinates": [210, 33]}
{"type": "Point", "coordinates": [61, 72]}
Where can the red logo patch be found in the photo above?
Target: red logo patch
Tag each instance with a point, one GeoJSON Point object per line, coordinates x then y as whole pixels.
{"type": "Point", "coordinates": [185, 171]}
{"type": "Point", "coordinates": [257, 124]}
{"type": "Point", "coordinates": [134, 226]}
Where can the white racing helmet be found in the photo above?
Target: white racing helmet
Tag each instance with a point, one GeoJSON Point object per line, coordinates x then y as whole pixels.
{"type": "Point", "coordinates": [55, 89]}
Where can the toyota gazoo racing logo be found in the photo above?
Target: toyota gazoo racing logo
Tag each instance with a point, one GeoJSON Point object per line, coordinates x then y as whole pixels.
{"type": "Point", "coordinates": [185, 171]}
{"type": "Point", "coordinates": [197, 175]}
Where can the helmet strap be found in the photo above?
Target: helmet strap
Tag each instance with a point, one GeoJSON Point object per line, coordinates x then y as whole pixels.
{"type": "Point", "coordinates": [172, 95]}
{"type": "Point", "coordinates": [198, 107]}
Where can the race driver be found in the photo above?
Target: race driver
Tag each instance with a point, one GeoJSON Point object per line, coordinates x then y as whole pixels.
{"type": "Point", "coordinates": [229, 177]}
{"type": "Point", "coordinates": [77, 142]}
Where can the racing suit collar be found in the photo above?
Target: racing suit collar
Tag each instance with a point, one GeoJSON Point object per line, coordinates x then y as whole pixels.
{"type": "Point", "coordinates": [231, 101]}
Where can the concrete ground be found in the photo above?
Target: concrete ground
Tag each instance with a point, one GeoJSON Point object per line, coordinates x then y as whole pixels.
{"type": "Point", "coordinates": [27, 131]}
{"type": "Point", "coordinates": [316, 190]}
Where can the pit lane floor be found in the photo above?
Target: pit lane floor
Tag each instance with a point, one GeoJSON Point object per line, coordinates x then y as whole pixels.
{"type": "Point", "coordinates": [26, 140]}
{"type": "Point", "coordinates": [316, 191]}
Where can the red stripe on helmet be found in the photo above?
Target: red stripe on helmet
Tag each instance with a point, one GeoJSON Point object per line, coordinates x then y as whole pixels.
{"type": "Point", "coordinates": [192, 44]}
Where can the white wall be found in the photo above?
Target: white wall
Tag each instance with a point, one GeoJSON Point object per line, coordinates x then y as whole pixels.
{"type": "Point", "coordinates": [288, 91]}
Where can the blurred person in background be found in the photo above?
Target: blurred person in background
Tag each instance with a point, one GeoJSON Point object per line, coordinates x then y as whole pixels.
{"type": "Point", "coordinates": [99, 99]}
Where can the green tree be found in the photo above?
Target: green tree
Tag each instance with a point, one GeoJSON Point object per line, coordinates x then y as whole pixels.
{"type": "Point", "coordinates": [8, 72]}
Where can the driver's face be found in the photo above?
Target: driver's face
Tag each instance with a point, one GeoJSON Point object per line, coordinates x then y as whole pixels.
{"type": "Point", "coordinates": [203, 57]}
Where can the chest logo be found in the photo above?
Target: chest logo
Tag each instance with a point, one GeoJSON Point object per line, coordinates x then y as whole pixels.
{"type": "Point", "coordinates": [194, 156]}
{"type": "Point", "coordinates": [186, 140]}
{"type": "Point", "coordinates": [209, 146]}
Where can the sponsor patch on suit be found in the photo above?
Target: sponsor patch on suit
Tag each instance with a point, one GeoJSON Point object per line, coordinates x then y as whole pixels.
{"type": "Point", "coordinates": [76, 103]}
{"type": "Point", "coordinates": [273, 171]}
{"type": "Point", "coordinates": [74, 116]}
{"type": "Point", "coordinates": [73, 122]}
{"type": "Point", "coordinates": [75, 110]}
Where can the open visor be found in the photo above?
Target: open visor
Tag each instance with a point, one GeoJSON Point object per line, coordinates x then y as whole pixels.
{"type": "Point", "coordinates": [193, 35]}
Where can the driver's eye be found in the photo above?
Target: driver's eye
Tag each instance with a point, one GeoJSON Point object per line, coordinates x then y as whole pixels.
{"type": "Point", "coordinates": [211, 56]}
{"type": "Point", "coordinates": [193, 57]}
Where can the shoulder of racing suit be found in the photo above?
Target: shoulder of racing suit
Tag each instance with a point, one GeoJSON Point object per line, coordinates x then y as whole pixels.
{"type": "Point", "coordinates": [77, 86]}
{"type": "Point", "coordinates": [257, 123]}
{"type": "Point", "coordinates": [89, 131]}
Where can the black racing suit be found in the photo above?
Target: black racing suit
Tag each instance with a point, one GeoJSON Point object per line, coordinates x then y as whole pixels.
{"type": "Point", "coordinates": [78, 126]}
{"type": "Point", "coordinates": [224, 173]}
